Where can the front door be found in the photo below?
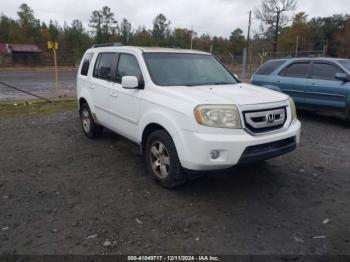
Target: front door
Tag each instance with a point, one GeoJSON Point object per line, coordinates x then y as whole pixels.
{"type": "Point", "coordinates": [125, 103]}
{"type": "Point", "coordinates": [323, 90]}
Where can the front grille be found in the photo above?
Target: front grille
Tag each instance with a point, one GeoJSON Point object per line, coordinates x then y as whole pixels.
{"type": "Point", "coordinates": [267, 120]}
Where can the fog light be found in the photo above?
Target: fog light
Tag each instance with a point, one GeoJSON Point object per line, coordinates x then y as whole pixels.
{"type": "Point", "coordinates": [215, 154]}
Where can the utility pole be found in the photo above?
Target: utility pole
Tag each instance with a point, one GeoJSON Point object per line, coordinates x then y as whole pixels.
{"type": "Point", "coordinates": [248, 39]}
{"type": "Point", "coordinates": [191, 36]}
{"type": "Point", "coordinates": [297, 47]}
{"type": "Point", "coordinates": [249, 25]}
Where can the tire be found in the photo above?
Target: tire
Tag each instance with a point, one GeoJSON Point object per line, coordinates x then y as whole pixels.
{"type": "Point", "coordinates": [90, 128]}
{"type": "Point", "coordinates": [162, 160]}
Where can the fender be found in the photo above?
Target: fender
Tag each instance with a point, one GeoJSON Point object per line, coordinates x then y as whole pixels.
{"type": "Point", "coordinates": [163, 119]}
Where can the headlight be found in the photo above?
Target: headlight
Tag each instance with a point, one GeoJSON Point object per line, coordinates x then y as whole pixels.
{"type": "Point", "coordinates": [223, 116]}
{"type": "Point", "coordinates": [292, 109]}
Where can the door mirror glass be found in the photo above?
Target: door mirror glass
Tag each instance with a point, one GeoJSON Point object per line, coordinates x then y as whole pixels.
{"type": "Point", "coordinates": [130, 82]}
{"type": "Point", "coordinates": [342, 77]}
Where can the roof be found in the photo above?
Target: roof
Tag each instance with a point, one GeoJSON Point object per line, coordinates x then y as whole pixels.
{"type": "Point", "coordinates": [151, 49]}
{"type": "Point", "coordinates": [24, 48]}
{"type": "Point", "coordinates": [309, 58]}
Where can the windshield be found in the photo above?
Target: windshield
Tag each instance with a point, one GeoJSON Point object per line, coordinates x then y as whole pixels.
{"type": "Point", "coordinates": [345, 63]}
{"type": "Point", "coordinates": [175, 69]}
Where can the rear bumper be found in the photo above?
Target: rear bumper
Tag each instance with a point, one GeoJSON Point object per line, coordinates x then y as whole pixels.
{"type": "Point", "coordinates": [195, 149]}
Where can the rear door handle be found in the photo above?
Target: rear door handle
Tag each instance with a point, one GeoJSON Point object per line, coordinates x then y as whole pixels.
{"type": "Point", "coordinates": [278, 81]}
{"type": "Point", "coordinates": [91, 87]}
{"type": "Point", "coordinates": [312, 84]}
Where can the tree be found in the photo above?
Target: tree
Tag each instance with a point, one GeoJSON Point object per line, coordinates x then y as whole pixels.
{"type": "Point", "coordinates": [298, 31]}
{"type": "Point", "coordinates": [180, 37]}
{"type": "Point", "coordinates": [237, 41]}
{"type": "Point", "coordinates": [109, 24]}
{"type": "Point", "coordinates": [95, 24]}
{"type": "Point", "coordinates": [142, 37]}
{"type": "Point", "coordinates": [53, 29]}
{"type": "Point", "coordinates": [9, 30]}
{"type": "Point", "coordinates": [343, 40]}
{"type": "Point", "coordinates": [30, 26]}
{"type": "Point", "coordinates": [75, 40]}
{"type": "Point", "coordinates": [104, 25]}
{"type": "Point", "coordinates": [272, 13]}
{"type": "Point", "coordinates": [125, 31]}
{"type": "Point", "coordinates": [160, 28]}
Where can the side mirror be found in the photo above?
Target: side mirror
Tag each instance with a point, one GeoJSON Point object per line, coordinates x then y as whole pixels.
{"type": "Point", "coordinates": [130, 82]}
{"type": "Point", "coordinates": [342, 77]}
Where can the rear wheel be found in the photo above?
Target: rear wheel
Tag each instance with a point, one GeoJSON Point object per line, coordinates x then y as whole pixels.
{"type": "Point", "coordinates": [162, 160]}
{"type": "Point", "coordinates": [90, 128]}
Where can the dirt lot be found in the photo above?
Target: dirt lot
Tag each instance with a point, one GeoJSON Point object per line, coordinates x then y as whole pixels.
{"type": "Point", "coordinates": [62, 193]}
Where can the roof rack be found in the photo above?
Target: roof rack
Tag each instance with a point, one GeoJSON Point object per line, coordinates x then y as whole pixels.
{"type": "Point", "coordinates": [106, 45]}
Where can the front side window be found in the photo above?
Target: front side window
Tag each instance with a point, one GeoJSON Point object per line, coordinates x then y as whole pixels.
{"type": "Point", "coordinates": [298, 70]}
{"type": "Point", "coordinates": [324, 71]}
{"type": "Point", "coordinates": [176, 69]}
{"type": "Point", "coordinates": [86, 64]}
{"type": "Point", "coordinates": [269, 67]}
{"type": "Point", "coordinates": [104, 65]}
{"type": "Point", "coordinates": [128, 66]}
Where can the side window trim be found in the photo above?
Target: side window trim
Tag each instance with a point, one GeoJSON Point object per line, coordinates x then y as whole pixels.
{"type": "Point", "coordinates": [117, 66]}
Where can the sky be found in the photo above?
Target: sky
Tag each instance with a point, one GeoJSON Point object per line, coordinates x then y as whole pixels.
{"type": "Point", "coordinates": [214, 17]}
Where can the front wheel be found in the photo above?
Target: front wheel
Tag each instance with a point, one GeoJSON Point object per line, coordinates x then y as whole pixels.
{"type": "Point", "coordinates": [162, 160]}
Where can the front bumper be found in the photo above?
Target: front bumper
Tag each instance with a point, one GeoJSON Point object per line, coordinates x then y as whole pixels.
{"type": "Point", "coordinates": [195, 149]}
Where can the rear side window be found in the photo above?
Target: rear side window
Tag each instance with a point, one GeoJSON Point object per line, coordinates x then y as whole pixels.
{"type": "Point", "coordinates": [298, 70]}
{"type": "Point", "coordinates": [269, 67]}
{"type": "Point", "coordinates": [128, 66]}
{"type": "Point", "coordinates": [324, 71]}
{"type": "Point", "coordinates": [86, 64]}
{"type": "Point", "coordinates": [104, 65]}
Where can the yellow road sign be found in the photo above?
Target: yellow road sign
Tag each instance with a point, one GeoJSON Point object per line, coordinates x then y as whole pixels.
{"type": "Point", "coordinates": [52, 45]}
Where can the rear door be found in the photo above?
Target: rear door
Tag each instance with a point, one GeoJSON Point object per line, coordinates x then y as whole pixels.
{"type": "Point", "coordinates": [101, 85]}
{"type": "Point", "coordinates": [292, 80]}
{"type": "Point", "coordinates": [323, 90]}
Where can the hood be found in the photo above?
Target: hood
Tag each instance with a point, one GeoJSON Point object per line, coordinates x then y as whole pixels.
{"type": "Point", "coordinates": [238, 94]}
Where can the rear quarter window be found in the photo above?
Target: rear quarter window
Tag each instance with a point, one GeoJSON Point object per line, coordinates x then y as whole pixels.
{"type": "Point", "coordinates": [269, 67]}
{"type": "Point", "coordinates": [86, 64]}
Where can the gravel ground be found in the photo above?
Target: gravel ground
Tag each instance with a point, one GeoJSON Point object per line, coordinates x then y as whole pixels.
{"type": "Point", "coordinates": [62, 193]}
{"type": "Point", "coordinates": [38, 82]}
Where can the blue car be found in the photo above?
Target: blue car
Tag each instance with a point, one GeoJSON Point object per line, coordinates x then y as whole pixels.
{"type": "Point", "coordinates": [320, 84]}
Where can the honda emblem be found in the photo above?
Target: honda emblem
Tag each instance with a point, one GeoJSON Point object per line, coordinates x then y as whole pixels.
{"type": "Point", "coordinates": [270, 118]}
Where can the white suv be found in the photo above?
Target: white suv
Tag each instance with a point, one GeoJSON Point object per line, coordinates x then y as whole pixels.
{"type": "Point", "coordinates": [184, 108]}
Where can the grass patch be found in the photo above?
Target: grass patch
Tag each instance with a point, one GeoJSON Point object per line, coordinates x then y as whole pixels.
{"type": "Point", "coordinates": [35, 108]}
